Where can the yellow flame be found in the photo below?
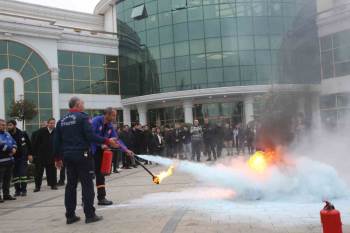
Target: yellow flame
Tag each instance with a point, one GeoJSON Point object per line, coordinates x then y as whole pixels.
{"type": "Point", "coordinates": [258, 162]}
{"type": "Point", "coordinates": [164, 174]}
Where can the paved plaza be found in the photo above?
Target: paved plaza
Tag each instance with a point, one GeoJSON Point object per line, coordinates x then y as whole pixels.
{"type": "Point", "coordinates": [180, 204]}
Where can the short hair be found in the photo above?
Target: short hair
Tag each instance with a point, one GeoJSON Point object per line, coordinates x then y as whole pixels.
{"type": "Point", "coordinates": [51, 119]}
{"type": "Point", "coordinates": [73, 102]}
{"type": "Point", "coordinates": [12, 122]}
{"type": "Point", "coordinates": [109, 111]}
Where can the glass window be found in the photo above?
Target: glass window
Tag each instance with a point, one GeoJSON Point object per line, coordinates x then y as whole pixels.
{"type": "Point", "coordinates": [229, 44]}
{"type": "Point", "coordinates": [9, 94]}
{"type": "Point", "coordinates": [245, 25]}
{"type": "Point", "coordinates": [195, 13]}
{"type": "Point", "coordinates": [248, 75]}
{"type": "Point", "coordinates": [38, 63]}
{"type": "Point", "coordinates": [247, 57]}
{"type": "Point", "coordinates": [183, 80]}
{"type": "Point", "coordinates": [152, 37]}
{"type": "Point", "coordinates": [97, 60]}
{"type": "Point", "coordinates": [98, 74]}
{"type": "Point", "coordinates": [276, 25]}
{"type": "Point", "coordinates": [342, 69]}
{"type": "Point", "coordinates": [179, 4]}
{"type": "Point", "coordinates": [112, 75]}
{"type": "Point", "coordinates": [180, 32]}
{"type": "Point", "coordinates": [164, 5]}
{"type": "Point", "coordinates": [140, 25]}
{"type": "Point", "coordinates": [66, 86]}
{"type": "Point", "coordinates": [3, 47]}
{"type": "Point", "coordinates": [194, 3]}
{"type": "Point", "coordinates": [275, 9]}
{"type": "Point", "coordinates": [327, 64]}
{"type": "Point", "coordinates": [166, 34]}
{"type": "Point", "coordinates": [81, 73]}
{"type": "Point", "coordinates": [65, 57]}
{"type": "Point", "coordinates": [199, 78]}
{"type": "Point", "coordinates": [82, 87]}
{"type": "Point", "coordinates": [261, 25]}
{"type": "Point", "coordinates": [81, 59]}
{"type": "Point", "coordinates": [3, 62]}
{"type": "Point", "coordinates": [165, 18]}
{"type": "Point", "coordinates": [167, 50]}
{"type": "Point", "coordinates": [261, 42]}
{"type": "Point", "coordinates": [112, 61]}
{"type": "Point", "coordinates": [168, 80]}
{"type": "Point", "coordinates": [212, 28]}
{"type": "Point", "coordinates": [215, 76]}
{"type": "Point", "coordinates": [289, 9]}
{"type": "Point", "coordinates": [98, 87]}
{"type": "Point", "coordinates": [179, 16]}
{"type": "Point", "coordinates": [231, 74]}
{"type": "Point", "coordinates": [45, 83]}
{"type": "Point", "coordinates": [198, 61]}
{"type": "Point", "coordinates": [228, 26]}
{"type": "Point", "coordinates": [181, 48]}
{"type": "Point", "coordinates": [260, 9]}
{"type": "Point", "coordinates": [231, 58]}
{"type": "Point", "coordinates": [263, 74]}
{"type": "Point", "coordinates": [341, 38]}
{"type": "Point", "coordinates": [214, 59]}
{"type": "Point", "coordinates": [211, 11]}
{"type": "Point", "coordinates": [45, 100]}
{"type": "Point", "coordinates": [342, 54]}
{"type": "Point", "coordinates": [197, 46]}
{"type": "Point", "coordinates": [28, 72]}
{"type": "Point", "coordinates": [65, 72]}
{"type": "Point", "coordinates": [152, 21]}
{"type": "Point", "coordinates": [139, 12]}
{"type": "Point", "coordinates": [113, 88]}
{"type": "Point", "coordinates": [196, 30]}
{"type": "Point", "coordinates": [167, 65]}
{"type": "Point", "coordinates": [276, 42]}
{"type": "Point", "coordinates": [151, 7]}
{"type": "Point", "coordinates": [154, 52]}
{"type": "Point", "coordinates": [182, 63]}
{"type": "Point", "coordinates": [18, 49]}
{"type": "Point", "coordinates": [15, 63]}
{"type": "Point", "coordinates": [244, 9]}
{"type": "Point", "coordinates": [326, 42]}
{"type": "Point", "coordinates": [262, 57]}
{"type": "Point", "coordinates": [227, 10]}
{"type": "Point", "coordinates": [31, 86]}
{"type": "Point", "coordinates": [246, 43]}
{"type": "Point", "coordinates": [213, 45]}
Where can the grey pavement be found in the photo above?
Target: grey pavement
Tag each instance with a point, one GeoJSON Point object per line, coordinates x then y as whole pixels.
{"type": "Point", "coordinates": [171, 207]}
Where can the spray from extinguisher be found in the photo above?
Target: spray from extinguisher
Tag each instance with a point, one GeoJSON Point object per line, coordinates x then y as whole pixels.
{"type": "Point", "coordinates": [331, 219]}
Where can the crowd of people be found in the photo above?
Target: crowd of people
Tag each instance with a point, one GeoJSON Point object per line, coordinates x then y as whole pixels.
{"type": "Point", "coordinates": [182, 141]}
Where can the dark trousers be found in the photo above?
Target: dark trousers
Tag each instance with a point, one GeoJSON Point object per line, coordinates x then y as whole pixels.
{"type": "Point", "coordinates": [196, 150]}
{"type": "Point", "coordinates": [79, 169]}
{"type": "Point", "coordinates": [51, 174]}
{"type": "Point", "coordinates": [5, 178]}
{"type": "Point", "coordinates": [219, 146]}
{"type": "Point", "coordinates": [116, 160]}
{"type": "Point", "coordinates": [100, 179]}
{"type": "Point", "coordinates": [62, 174]}
{"type": "Point", "coordinates": [210, 149]}
{"type": "Point", "coordinates": [20, 175]}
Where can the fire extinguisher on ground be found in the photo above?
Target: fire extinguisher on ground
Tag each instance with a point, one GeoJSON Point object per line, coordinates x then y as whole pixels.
{"type": "Point", "coordinates": [331, 219]}
{"type": "Point", "coordinates": [106, 162]}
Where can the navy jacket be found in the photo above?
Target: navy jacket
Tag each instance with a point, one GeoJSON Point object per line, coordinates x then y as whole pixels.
{"type": "Point", "coordinates": [7, 143]}
{"type": "Point", "coordinates": [74, 135]}
{"type": "Point", "coordinates": [23, 144]}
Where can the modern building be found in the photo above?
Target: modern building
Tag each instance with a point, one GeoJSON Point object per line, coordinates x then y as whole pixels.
{"type": "Point", "coordinates": [334, 33]}
{"type": "Point", "coordinates": [161, 61]}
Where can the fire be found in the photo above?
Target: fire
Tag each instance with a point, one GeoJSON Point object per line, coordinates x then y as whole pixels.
{"type": "Point", "coordinates": [164, 174]}
{"type": "Point", "coordinates": [258, 161]}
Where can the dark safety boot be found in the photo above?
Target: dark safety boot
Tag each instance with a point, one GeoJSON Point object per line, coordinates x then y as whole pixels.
{"type": "Point", "coordinates": [93, 219]}
{"type": "Point", "coordinates": [1, 200]}
{"type": "Point", "coordinates": [37, 189]}
{"type": "Point", "coordinates": [9, 198]}
{"type": "Point", "coordinates": [73, 219]}
{"type": "Point", "coordinates": [104, 202]}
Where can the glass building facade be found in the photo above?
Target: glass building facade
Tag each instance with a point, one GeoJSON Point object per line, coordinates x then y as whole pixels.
{"type": "Point", "coordinates": [85, 73]}
{"type": "Point", "coordinates": [36, 75]}
{"type": "Point", "coordinates": [193, 44]}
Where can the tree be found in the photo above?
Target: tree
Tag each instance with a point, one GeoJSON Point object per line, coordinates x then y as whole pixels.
{"type": "Point", "coordinates": [22, 110]}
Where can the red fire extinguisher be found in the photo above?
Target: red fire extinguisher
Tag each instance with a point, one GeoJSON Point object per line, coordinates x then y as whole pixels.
{"type": "Point", "coordinates": [330, 219]}
{"type": "Point", "coordinates": [106, 163]}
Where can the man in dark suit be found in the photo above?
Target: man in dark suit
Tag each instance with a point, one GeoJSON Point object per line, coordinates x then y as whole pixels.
{"type": "Point", "coordinates": [44, 157]}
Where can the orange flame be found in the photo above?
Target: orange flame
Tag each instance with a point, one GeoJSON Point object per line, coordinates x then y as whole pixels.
{"type": "Point", "coordinates": [164, 174]}
{"type": "Point", "coordinates": [260, 160]}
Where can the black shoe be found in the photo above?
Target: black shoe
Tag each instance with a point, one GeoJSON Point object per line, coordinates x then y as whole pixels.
{"type": "Point", "coordinates": [135, 166]}
{"type": "Point", "coordinates": [73, 219]}
{"type": "Point", "coordinates": [17, 194]}
{"type": "Point", "coordinates": [60, 183]}
{"type": "Point", "coordinates": [54, 187]}
{"type": "Point", "coordinates": [93, 219]}
{"type": "Point", "coordinates": [209, 159]}
{"type": "Point", "coordinates": [105, 202]}
{"type": "Point", "coordinates": [1, 200]}
{"type": "Point", "coordinates": [115, 171]}
{"type": "Point", "coordinates": [9, 198]}
{"type": "Point", "coordinates": [36, 190]}
{"type": "Point", "coordinates": [23, 194]}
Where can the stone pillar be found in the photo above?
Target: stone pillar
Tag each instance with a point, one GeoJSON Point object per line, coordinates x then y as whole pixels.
{"type": "Point", "coordinates": [248, 109]}
{"type": "Point", "coordinates": [316, 113]}
{"type": "Point", "coordinates": [126, 116]}
{"type": "Point", "coordinates": [142, 110]}
{"type": "Point", "coordinates": [188, 105]}
{"type": "Point", "coordinates": [55, 94]}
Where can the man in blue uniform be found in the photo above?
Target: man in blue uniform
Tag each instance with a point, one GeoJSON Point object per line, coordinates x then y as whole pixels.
{"type": "Point", "coordinates": [8, 148]}
{"type": "Point", "coordinates": [102, 126]}
{"type": "Point", "coordinates": [72, 141]}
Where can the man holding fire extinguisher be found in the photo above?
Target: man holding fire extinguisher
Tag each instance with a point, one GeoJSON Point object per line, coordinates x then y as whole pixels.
{"type": "Point", "coordinates": [73, 138]}
{"type": "Point", "coordinates": [103, 127]}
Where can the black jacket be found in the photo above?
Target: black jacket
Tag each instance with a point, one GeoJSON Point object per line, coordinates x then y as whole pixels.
{"type": "Point", "coordinates": [43, 146]}
{"type": "Point", "coordinates": [23, 144]}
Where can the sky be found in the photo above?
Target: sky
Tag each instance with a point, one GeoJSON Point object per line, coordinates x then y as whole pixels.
{"type": "Point", "coordinates": [86, 6]}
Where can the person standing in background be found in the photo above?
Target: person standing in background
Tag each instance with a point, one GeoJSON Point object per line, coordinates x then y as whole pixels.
{"type": "Point", "coordinates": [186, 143]}
{"type": "Point", "coordinates": [228, 136]}
{"type": "Point", "coordinates": [196, 138]}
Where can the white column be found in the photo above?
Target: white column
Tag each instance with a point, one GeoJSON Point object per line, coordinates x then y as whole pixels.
{"type": "Point", "coordinates": [316, 113]}
{"type": "Point", "coordinates": [188, 105]}
{"type": "Point", "coordinates": [126, 115]}
{"type": "Point", "coordinates": [142, 110]}
{"type": "Point", "coordinates": [55, 94]}
{"type": "Point", "coordinates": [248, 109]}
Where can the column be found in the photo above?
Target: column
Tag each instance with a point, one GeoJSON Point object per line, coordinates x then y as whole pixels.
{"type": "Point", "coordinates": [248, 109]}
{"type": "Point", "coordinates": [187, 105]}
{"type": "Point", "coordinates": [142, 110]}
{"type": "Point", "coordinates": [316, 113]}
{"type": "Point", "coordinates": [301, 104]}
{"type": "Point", "coordinates": [126, 116]}
{"type": "Point", "coordinates": [55, 93]}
